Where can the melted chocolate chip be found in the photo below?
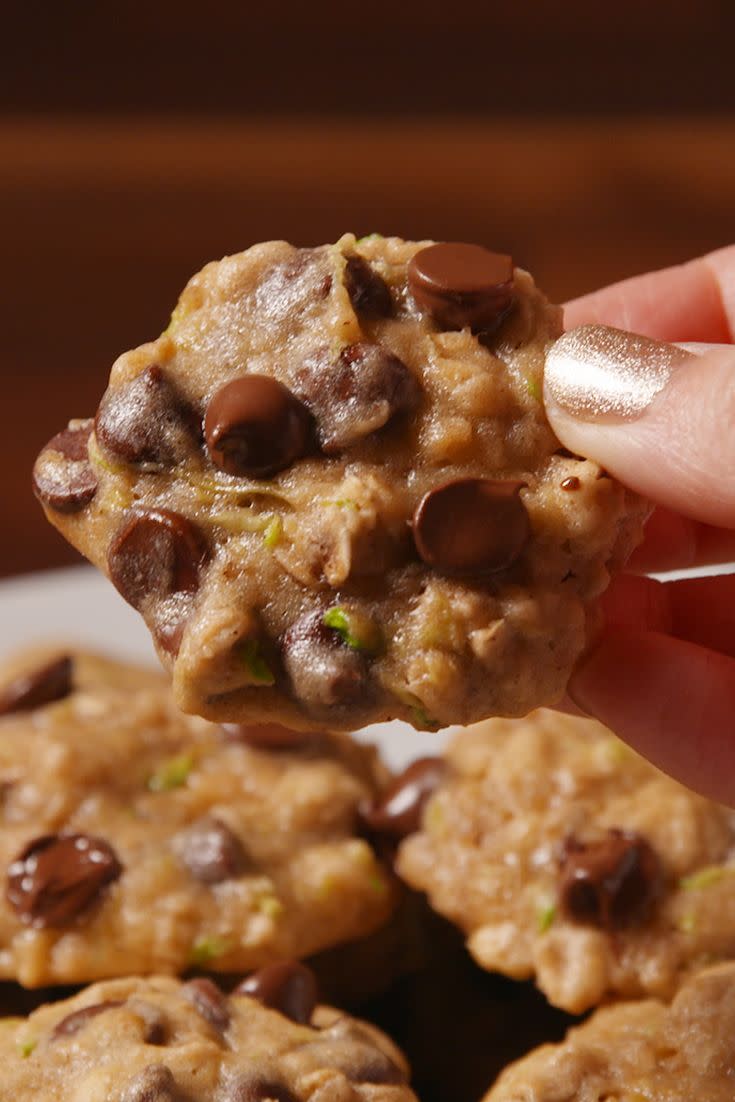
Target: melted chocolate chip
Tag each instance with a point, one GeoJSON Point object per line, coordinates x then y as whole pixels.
{"type": "Point", "coordinates": [294, 286]}
{"type": "Point", "coordinates": [358, 394]}
{"type": "Point", "coordinates": [612, 883]}
{"type": "Point", "coordinates": [255, 426]}
{"type": "Point", "coordinates": [209, 1000]}
{"type": "Point", "coordinates": [570, 484]}
{"type": "Point", "coordinates": [44, 685]}
{"type": "Point", "coordinates": [145, 422]}
{"type": "Point", "coordinates": [269, 736]}
{"type": "Point", "coordinates": [169, 626]}
{"type": "Point", "coordinates": [462, 285]}
{"type": "Point", "coordinates": [287, 986]}
{"type": "Point", "coordinates": [156, 553]}
{"type": "Point", "coordinates": [63, 478]}
{"type": "Point", "coordinates": [351, 1049]}
{"type": "Point", "coordinates": [155, 1034]}
{"type": "Point", "coordinates": [398, 811]}
{"type": "Point", "coordinates": [368, 291]}
{"type": "Point", "coordinates": [72, 1023]}
{"type": "Point", "coordinates": [58, 876]}
{"type": "Point", "coordinates": [471, 526]}
{"type": "Point", "coordinates": [155, 1026]}
{"type": "Point", "coordinates": [257, 1089]}
{"type": "Point", "coordinates": [210, 851]}
{"type": "Point", "coordinates": [153, 1084]}
{"type": "Point", "coordinates": [325, 673]}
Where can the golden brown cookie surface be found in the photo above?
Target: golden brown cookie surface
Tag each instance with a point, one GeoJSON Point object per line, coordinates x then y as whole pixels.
{"type": "Point", "coordinates": [639, 1051]}
{"type": "Point", "coordinates": [566, 857]}
{"type": "Point", "coordinates": [160, 1040]}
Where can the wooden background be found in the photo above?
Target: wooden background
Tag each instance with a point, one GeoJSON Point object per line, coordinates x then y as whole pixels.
{"type": "Point", "coordinates": [137, 142]}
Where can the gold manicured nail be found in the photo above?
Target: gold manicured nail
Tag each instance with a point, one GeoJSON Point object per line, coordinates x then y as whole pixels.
{"type": "Point", "coordinates": [596, 372]}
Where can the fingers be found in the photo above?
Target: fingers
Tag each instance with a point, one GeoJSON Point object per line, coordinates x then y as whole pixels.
{"type": "Point", "coordinates": [697, 610]}
{"type": "Point", "coordinates": [637, 603]}
{"type": "Point", "coordinates": [703, 612]}
{"type": "Point", "coordinates": [691, 302]}
{"type": "Point", "coordinates": [673, 542]}
{"type": "Point", "coordinates": [655, 416]}
{"type": "Point", "coordinates": [672, 700]}
{"type": "Point", "coordinates": [662, 673]}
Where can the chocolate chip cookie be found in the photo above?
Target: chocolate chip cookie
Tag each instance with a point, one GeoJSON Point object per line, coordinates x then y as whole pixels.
{"type": "Point", "coordinates": [331, 489]}
{"type": "Point", "coordinates": [138, 839]}
{"type": "Point", "coordinates": [566, 857]}
{"type": "Point", "coordinates": [160, 1040]}
{"type": "Point", "coordinates": [639, 1051]}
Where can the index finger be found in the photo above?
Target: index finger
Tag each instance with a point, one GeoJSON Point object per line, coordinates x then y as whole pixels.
{"type": "Point", "coordinates": [689, 302]}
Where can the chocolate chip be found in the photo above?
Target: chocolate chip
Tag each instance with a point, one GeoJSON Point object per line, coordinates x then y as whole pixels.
{"type": "Point", "coordinates": [58, 876]}
{"type": "Point", "coordinates": [155, 1025]}
{"type": "Point", "coordinates": [295, 286]}
{"type": "Point", "coordinates": [358, 394]}
{"type": "Point", "coordinates": [269, 736]}
{"type": "Point", "coordinates": [156, 553]}
{"type": "Point", "coordinates": [368, 291]}
{"type": "Point", "coordinates": [153, 1084]}
{"type": "Point", "coordinates": [572, 483]}
{"type": "Point", "coordinates": [462, 285]}
{"type": "Point", "coordinates": [155, 1033]}
{"type": "Point", "coordinates": [255, 426]}
{"type": "Point", "coordinates": [169, 627]}
{"type": "Point", "coordinates": [44, 685]}
{"type": "Point", "coordinates": [612, 883]}
{"type": "Point", "coordinates": [72, 1023]}
{"type": "Point", "coordinates": [63, 478]}
{"type": "Point", "coordinates": [287, 986]}
{"type": "Point", "coordinates": [209, 1000]}
{"type": "Point", "coordinates": [472, 526]}
{"type": "Point", "coordinates": [325, 673]}
{"type": "Point", "coordinates": [347, 1047]}
{"type": "Point", "coordinates": [399, 809]}
{"type": "Point", "coordinates": [258, 1089]}
{"type": "Point", "coordinates": [210, 851]}
{"type": "Point", "coordinates": [146, 422]}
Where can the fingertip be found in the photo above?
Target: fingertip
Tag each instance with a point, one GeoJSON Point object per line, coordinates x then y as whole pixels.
{"type": "Point", "coordinates": [669, 543]}
{"type": "Point", "coordinates": [658, 419]}
{"type": "Point", "coordinates": [672, 700]}
{"type": "Point", "coordinates": [694, 301]}
{"type": "Point", "coordinates": [721, 263]}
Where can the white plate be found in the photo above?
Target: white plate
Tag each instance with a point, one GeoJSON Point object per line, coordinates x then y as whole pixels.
{"type": "Point", "coordinates": [79, 606]}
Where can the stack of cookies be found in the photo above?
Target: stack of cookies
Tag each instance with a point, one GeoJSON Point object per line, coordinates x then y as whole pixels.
{"type": "Point", "coordinates": [331, 490]}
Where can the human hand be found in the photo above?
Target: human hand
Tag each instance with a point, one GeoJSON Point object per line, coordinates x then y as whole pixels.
{"type": "Point", "coordinates": [662, 420]}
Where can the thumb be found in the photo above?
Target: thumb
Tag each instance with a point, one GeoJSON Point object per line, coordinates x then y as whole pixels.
{"type": "Point", "coordinates": [656, 416]}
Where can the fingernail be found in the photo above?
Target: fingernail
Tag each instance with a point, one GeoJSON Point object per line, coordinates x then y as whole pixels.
{"type": "Point", "coordinates": [597, 373]}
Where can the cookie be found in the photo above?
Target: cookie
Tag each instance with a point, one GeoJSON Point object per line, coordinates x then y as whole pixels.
{"type": "Point", "coordinates": [160, 1040]}
{"type": "Point", "coordinates": [566, 857]}
{"type": "Point", "coordinates": [639, 1051]}
{"type": "Point", "coordinates": [138, 839]}
{"type": "Point", "coordinates": [332, 492]}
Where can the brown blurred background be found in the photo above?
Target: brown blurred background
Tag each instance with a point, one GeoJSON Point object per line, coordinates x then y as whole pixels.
{"type": "Point", "coordinates": [138, 140]}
